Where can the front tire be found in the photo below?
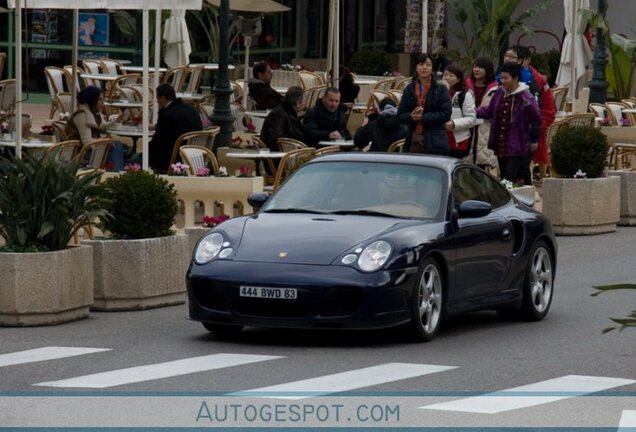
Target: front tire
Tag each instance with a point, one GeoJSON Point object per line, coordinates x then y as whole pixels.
{"type": "Point", "coordinates": [538, 287]}
{"type": "Point", "coordinates": [426, 307]}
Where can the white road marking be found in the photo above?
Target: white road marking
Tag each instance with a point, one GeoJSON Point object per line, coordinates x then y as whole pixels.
{"type": "Point", "coordinates": [45, 353]}
{"type": "Point", "coordinates": [532, 394]}
{"type": "Point", "coordinates": [628, 420]}
{"type": "Point", "coordinates": [344, 381]}
{"type": "Point", "coordinates": [158, 371]}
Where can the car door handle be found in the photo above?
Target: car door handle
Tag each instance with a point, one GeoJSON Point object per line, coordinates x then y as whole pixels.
{"type": "Point", "coordinates": [506, 234]}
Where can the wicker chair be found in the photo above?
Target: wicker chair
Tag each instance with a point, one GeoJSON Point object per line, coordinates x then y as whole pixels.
{"type": "Point", "coordinates": [64, 151]}
{"type": "Point", "coordinates": [559, 94]}
{"type": "Point", "coordinates": [397, 146]}
{"type": "Point", "coordinates": [7, 95]}
{"type": "Point", "coordinates": [585, 119]}
{"type": "Point", "coordinates": [309, 79]}
{"type": "Point", "coordinates": [59, 131]}
{"type": "Point", "coordinates": [95, 153]}
{"type": "Point", "coordinates": [290, 163]}
{"type": "Point", "coordinates": [197, 157]}
{"type": "Point", "coordinates": [289, 144]}
{"type": "Point", "coordinates": [204, 138]}
{"type": "Point", "coordinates": [55, 77]}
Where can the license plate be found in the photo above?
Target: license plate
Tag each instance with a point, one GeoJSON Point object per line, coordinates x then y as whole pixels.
{"type": "Point", "coordinates": [268, 293]}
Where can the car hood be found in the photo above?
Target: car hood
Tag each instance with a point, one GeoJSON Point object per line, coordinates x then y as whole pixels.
{"type": "Point", "coordinates": [302, 238]}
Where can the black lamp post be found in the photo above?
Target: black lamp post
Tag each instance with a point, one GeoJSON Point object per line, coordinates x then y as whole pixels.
{"type": "Point", "coordinates": [598, 84]}
{"type": "Point", "coordinates": [222, 115]}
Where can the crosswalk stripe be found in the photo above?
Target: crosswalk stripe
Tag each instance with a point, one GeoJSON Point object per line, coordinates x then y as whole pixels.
{"type": "Point", "coordinates": [344, 381]}
{"type": "Point", "coordinates": [45, 353]}
{"type": "Point", "coordinates": [532, 394]}
{"type": "Point", "coordinates": [158, 370]}
{"type": "Point", "coordinates": [628, 420]}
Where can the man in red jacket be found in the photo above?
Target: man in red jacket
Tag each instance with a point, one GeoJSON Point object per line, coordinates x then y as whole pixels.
{"type": "Point", "coordinates": [547, 108]}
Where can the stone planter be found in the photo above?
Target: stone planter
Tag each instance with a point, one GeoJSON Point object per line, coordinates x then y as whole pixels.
{"type": "Point", "coordinates": [628, 196]}
{"type": "Point", "coordinates": [582, 206]}
{"type": "Point", "coordinates": [46, 288]}
{"type": "Point", "coordinates": [139, 274]}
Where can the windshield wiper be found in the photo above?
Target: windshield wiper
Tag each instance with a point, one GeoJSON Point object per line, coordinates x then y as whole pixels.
{"type": "Point", "coordinates": [364, 213]}
{"type": "Point", "coordinates": [293, 210]}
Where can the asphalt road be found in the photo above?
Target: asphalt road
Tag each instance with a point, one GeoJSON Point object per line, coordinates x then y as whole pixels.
{"type": "Point", "coordinates": [479, 353]}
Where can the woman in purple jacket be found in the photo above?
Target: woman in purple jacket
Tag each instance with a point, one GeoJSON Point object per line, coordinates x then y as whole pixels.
{"type": "Point", "coordinates": [513, 112]}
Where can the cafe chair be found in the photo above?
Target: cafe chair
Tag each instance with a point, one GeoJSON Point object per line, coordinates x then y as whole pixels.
{"type": "Point", "coordinates": [10, 120]}
{"type": "Point", "coordinates": [617, 108]}
{"type": "Point", "coordinates": [289, 144]}
{"type": "Point", "coordinates": [110, 67]}
{"type": "Point", "coordinates": [560, 94]}
{"type": "Point", "coordinates": [600, 110]}
{"type": "Point", "coordinates": [65, 151]}
{"type": "Point", "coordinates": [203, 138]}
{"type": "Point", "coordinates": [585, 119]}
{"type": "Point", "coordinates": [327, 150]}
{"type": "Point", "coordinates": [63, 101]}
{"type": "Point", "coordinates": [7, 95]}
{"type": "Point", "coordinates": [396, 146]}
{"type": "Point", "coordinates": [94, 154]}
{"type": "Point", "coordinates": [309, 79]}
{"type": "Point", "coordinates": [290, 163]}
{"type": "Point", "coordinates": [59, 131]}
{"type": "Point", "coordinates": [384, 84]}
{"type": "Point", "coordinates": [55, 77]}
{"type": "Point", "coordinates": [198, 157]}
{"type": "Point", "coordinates": [402, 83]}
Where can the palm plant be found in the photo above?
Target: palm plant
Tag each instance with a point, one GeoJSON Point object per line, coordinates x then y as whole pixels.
{"type": "Point", "coordinates": [43, 202]}
{"type": "Point", "coordinates": [622, 323]}
{"type": "Point", "coordinates": [207, 23]}
{"type": "Point", "coordinates": [486, 25]}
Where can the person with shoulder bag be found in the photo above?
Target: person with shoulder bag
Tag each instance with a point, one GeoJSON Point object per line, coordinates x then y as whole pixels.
{"type": "Point", "coordinates": [426, 108]}
{"type": "Point", "coordinates": [463, 118]}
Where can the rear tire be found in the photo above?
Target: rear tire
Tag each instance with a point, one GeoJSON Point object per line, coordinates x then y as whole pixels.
{"type": "Point", "coordinates": [223, 329]}
{"type": "Point", "coordinates": [427, 302]}
{"type": "Point", "coordinates": [538, 288]}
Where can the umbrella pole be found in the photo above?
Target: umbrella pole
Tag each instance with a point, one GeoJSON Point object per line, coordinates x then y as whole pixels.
{"type": "Point", "coordinates": [74, 60]}
{"type": "Point", "coordinates": [424, 26]}
{"type": "Point", "coordinates": [248, 42]}
{"type": "Point", "coordinates": [330, 42]}
{"type": "Point", "coordinates": [575, 34]}
{"type": "Point", "coordinates": [155, 83]}
{"type": "Point", "coordinates": [18, 78]}
{"type": "Point", "coordinates": [336, 44]}
{"type": "Point", "coordinates": [145, 56]}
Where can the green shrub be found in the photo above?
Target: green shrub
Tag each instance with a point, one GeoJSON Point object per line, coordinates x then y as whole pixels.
{"type": "Point", "coordinates": [577, 148]}
{"type": "Point", "coordinates": [43, 203]}
{"type": "Point", "coordinates": [140, 205]}
{"type": "Point", "coordinates": [370, 62]}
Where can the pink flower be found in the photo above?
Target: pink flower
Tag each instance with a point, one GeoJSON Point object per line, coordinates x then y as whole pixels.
{"type": "Point", "coordinates": [203, 172]}
{"type": "Point", "coordinates": [212, 221]}
{"type": "Point", "coordinates": [245, 171]}
{"type": "Point", "coordinates": [132, 167]}
{"type": "Point", "coordinates": [251, 128]}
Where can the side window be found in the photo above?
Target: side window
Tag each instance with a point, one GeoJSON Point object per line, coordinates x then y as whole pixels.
{"type": "Point", "coordinates": [472, 184]}
{"type": "Point", "coordinates": [465, 186]}
{"type": "Point", "coordinates": [494, 192]}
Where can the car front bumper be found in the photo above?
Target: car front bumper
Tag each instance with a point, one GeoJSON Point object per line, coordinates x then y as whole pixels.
{"type": "Point", "coordinates": [327, 296]}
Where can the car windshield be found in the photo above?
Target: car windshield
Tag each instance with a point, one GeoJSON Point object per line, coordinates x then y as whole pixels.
{"type": "Point", "coordinates": [364, 188]}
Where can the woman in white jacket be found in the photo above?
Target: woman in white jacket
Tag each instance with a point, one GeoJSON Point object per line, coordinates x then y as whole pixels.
{"type": "Point", "coordinates": [463, 118]}
{"type": "Point", "coordinates": [483, 85]}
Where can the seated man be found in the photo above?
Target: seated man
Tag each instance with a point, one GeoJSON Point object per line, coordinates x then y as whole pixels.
{"type": "Point", "coordinates": [260, 89]}
{"type": "Point", "coordinates": [175, 118]}
{"type": "Point", "coordinates": [283, 121]}
{"type": "Point", "coordinates": [327, 120]}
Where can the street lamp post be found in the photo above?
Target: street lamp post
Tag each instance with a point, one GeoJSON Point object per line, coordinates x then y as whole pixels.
{"type": "Point", "coordinates": [222, 115]}
{"type": "Point", "coordinates": [598, 84]}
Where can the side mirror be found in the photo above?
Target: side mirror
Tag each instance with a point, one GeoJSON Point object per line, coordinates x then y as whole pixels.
{"type": "Point", "coordinates": [257, 199]}
{"type": "Point", "coordinates": [473, 209]}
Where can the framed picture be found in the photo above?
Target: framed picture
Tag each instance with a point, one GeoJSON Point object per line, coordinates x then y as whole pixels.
{"type": "Point", "coordinates": [93, 28]}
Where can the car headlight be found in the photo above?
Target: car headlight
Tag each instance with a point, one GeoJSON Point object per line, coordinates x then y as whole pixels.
{"type": "Point", "coordinates": [208, 248]}
{"type": "Point", "coordinates": [374, 256]}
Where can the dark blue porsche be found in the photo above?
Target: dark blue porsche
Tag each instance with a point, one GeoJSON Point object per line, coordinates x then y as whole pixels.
{"type": "Point", "coordinates": [359, 240]}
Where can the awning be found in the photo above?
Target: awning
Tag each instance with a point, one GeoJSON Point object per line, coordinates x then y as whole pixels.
{"type": "Point", "coordinates": [257, 6]}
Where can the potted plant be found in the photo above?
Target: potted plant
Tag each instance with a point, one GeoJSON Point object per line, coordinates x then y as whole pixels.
{"type": "Point", "coordinates": [142, 262]}
{"type": "Point", "coordinates": [195, 233]}
{"type": "Point", "coordinates": [580, 200]}
{"type": "Point", "coordinates": [43, 202]}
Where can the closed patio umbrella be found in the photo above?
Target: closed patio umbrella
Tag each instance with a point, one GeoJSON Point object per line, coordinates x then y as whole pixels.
{"type": "Point", "coordinates": [575, 53]}
{"type": "Point", "coordinates": [175, 33]}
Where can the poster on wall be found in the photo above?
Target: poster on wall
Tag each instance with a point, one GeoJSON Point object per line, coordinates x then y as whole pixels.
{"type": "Point", "coordinates": [93, 28]}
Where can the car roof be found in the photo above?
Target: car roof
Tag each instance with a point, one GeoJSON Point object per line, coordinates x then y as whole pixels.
{"type": "Point", "coordinates": [442, 162]}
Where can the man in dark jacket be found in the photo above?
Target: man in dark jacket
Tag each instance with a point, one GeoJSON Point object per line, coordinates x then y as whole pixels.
{"type": "Point", "coordinates": [327, 120]}
{"type": "Point", "coordinates": [382, 131]}
{"type": "Point", "coordinates": [260, 89]}
{"type": "Point", "coordinates": [283, 120]}
{"type": "Point", "coordinates": [175, 118]}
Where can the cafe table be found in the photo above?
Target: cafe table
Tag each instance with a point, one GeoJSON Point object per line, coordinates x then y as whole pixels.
{"type": "Point", "coordinates": [257, 155]}
{"type": "Point", "coordinates": [133, 132]}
